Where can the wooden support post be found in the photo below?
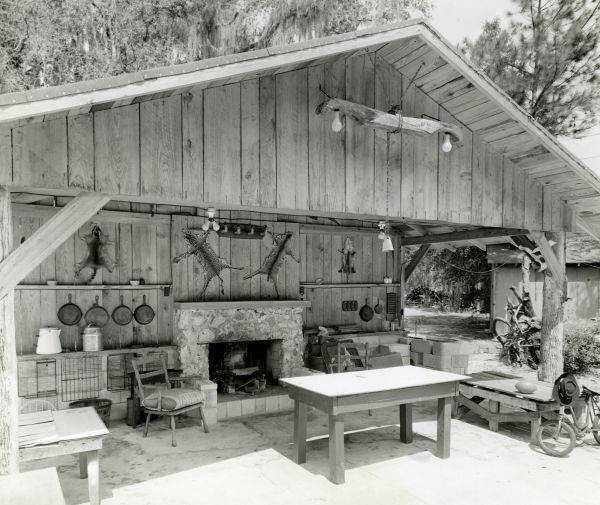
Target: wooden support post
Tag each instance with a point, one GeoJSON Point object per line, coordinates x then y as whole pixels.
{"type": "Point", "coordinates": [9, 449]}
{"type": "Point", "coordinates": [555, 295]}
{"type": "Point", "coordinates": [402, 295]}
{"type": "Point", "coordinates": [48, 238]}
{"type": "Point", "coordinates": [416, 259]}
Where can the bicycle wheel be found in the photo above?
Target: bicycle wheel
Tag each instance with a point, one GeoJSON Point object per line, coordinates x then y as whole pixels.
{"type": "Point", "coordinates": [555, 441]}
{"type": "Point", "coordinates": [500, 328]}
{"type": "Point", "coordinates": [597, 433]}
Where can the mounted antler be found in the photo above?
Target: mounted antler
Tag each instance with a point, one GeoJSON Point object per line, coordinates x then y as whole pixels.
{"type": "Point", "coordinates": [391, 121]}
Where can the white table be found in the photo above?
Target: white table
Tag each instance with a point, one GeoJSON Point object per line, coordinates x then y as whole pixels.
{"type": "Point", "coordinates": [39, 487]}
{"type": "Point", "coordinates": [72, 431]}
{"type": "Point", "coordinates": [343, 393]}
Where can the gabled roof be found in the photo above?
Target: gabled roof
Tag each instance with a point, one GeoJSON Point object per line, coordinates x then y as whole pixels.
{"type": "Point", "coordinates": [414, 48]}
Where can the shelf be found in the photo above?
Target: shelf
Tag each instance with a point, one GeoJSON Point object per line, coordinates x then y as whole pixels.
{"type": "Point", "coordinates": [308, 285]}
{"type": "Point", "coordinates": [81, 354]}
{"type": "Point", "coordinates": [93, 287]}
{"type": "Point", "coordinates": [264, 304]}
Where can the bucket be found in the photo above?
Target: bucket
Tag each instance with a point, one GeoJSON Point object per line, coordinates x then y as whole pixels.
{"type": "Point", "coordinates": [92, 338]}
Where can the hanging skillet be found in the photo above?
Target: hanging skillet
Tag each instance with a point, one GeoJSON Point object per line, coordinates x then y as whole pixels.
{"type": "Point", "coordinates": [97, 315]}
{"type": "Point", "coordinates": [366, 311]}
{"type": "Point", "coordinates": [69, 314]}
{"type": "Point", "coordinates": [122, 314]}
{"type": "Point", "coordinates": [378, 308]}
{"type": "Point", "coordinates": [144, 314]}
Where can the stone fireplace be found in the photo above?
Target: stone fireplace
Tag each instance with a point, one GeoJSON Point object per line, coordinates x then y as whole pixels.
{"type": "Point", "coordinates": [273, 331]}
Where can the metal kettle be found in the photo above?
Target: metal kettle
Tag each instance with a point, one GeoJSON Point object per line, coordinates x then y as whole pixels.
{"type": "Point", "coordinates": [48, 341]}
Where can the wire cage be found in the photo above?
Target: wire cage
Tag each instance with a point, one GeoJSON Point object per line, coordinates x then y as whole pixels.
{"type": "Point", "coordinates": [80, 378]}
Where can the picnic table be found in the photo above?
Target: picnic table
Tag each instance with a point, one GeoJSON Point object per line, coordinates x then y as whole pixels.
{"type": "Point", "coordinates": [344, 393]}
{"type": "Point", "coordinates": [55, 433]}
{"type": "Point", "coordinates": [499, 389]}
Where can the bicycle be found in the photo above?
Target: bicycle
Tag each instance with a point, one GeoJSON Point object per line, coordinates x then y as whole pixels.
{"type": "Point", "coordinates": [558, 437]}
{"type": "Point", "coordinates": [518, 333]}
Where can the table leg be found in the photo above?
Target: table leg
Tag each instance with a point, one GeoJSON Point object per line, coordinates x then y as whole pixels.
{"type": "Point", "coordinates": [444, 416]}
{"type": "Point", "coordinates": [494, 408]}
{"type": "Point", "coordinates": [406, 424]}
{"type": "Point", "coordinates": [336, 449]}
{"type": "Point", "coordinates": [535, 426]}
{"type": "Point", "coordinates": [83, 473]}
{"type": "Point", "coordinates": [300, 432]}
{"type": "Point", "coordinates": [93, 470]}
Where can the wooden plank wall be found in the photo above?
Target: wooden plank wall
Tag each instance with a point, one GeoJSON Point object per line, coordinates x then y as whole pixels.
{"type": "Point", "coordinates": [259, 143]}
{"type": "Point", "coordinates": [249, 254]}
{"type": "Point", "coordinates": [141, 250]}
{"type": "Point", "coordinates": [321, 259]}
{"type": "Point", "coordinates": [583, 291]}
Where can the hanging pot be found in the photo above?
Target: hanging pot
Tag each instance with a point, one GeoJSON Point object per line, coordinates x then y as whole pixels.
{"type": "Point", "coordinates": [69, 314]}
{"type": "Point", "coordinates": [97, 315]}
{"type": "Point", "coordinates": [122, 314]}
{"type": "Point", "coordinates": [366, 312]}
{"type": "Point", "coordinates": [378, 308]}
{"type": "Point", "coordinates": [144, 314]}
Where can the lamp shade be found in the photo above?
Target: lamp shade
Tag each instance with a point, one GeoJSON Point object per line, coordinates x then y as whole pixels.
{"type": "Point", "coordinates": [48, 341]}
{"type": "Point", "coordinates": [387, 244]}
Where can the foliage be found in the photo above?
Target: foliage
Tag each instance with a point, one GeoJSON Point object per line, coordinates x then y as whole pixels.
{"type": "Point", "coordinates": [451, 279]}
{"type": "Point", "coordinates": [582, 348]}
{"type": "Point", "coordinates": [50, 42]}
{"type": "Point", "coordinates": [547, 60]}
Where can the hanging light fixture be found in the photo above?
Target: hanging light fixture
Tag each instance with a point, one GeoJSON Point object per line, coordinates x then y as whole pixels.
{"type": "Point", "coordinates": [381, 234]}
{"type": "Point", "coordinates": [211, 223]}
{"type": "Point", "coordinates": [336, 124]}
{"type": "Point", "coordinates": [387, 245]}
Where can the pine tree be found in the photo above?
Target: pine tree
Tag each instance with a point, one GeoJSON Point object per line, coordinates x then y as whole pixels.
{"type": "Point", "coordinates": [547, 60]}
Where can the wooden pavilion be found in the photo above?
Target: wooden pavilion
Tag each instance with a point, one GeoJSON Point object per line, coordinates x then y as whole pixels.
{"type": "Point", "coordinates": [147, 154]}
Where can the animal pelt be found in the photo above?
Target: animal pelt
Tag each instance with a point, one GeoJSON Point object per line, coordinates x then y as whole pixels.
{"type": "Point", "coordinates": [348, 253]}
{"type": "Point", "coordinates": [97, 255]}
{"type": "Point", "coordinates": [206, 256]}
{"type": "Point", "coordinates": [282, 248]}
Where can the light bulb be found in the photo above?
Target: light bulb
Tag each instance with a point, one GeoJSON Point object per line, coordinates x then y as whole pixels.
{"type": "Point", "coordinates": [205, 226]}
{"type": "Point", "coordinates": [447, 145]}
{"type": "Point", "coordinates": [336, 124]}
{"type": "Point", "coordinates": [216, 226]}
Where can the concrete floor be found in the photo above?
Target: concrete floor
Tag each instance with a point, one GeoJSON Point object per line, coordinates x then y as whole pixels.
{"type": "Point", "coordinates": [248, 461]}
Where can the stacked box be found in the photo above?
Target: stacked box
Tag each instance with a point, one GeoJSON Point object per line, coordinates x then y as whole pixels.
{"type": "Point", "coordinates": [447, 355]}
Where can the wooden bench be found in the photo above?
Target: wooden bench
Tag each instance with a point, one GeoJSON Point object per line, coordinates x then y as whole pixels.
{"type": "Point", "coordinates": [499, 389]}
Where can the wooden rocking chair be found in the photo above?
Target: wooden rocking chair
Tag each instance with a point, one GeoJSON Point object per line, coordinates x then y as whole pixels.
{"type": "Point", "coordinates": [163, 400]}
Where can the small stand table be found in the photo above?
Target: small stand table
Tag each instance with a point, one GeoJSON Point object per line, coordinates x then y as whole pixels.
{"type": "Point", "coordinates": [343, 393]}
{"type": "Point", "coordinates": [72, 431]}
{"type": "Point", "coordinates": [499, 389]}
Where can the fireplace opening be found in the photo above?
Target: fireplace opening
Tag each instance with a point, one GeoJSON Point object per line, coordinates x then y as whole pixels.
{"type": "Point", "coordinates": [246, 367]}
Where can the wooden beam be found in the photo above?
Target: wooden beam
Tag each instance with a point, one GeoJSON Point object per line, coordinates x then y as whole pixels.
{"type": "Point", "coordinates": [459, 236]}
{"type": "Point", "coordinates": [592, 229]}
{"type": "Point", "coordinates": [9, 401]}
{"type": "Point", "coordinates": [103, 216]}
{"type": "Point", "coordinates": [47, 239]}
{"type": "Point", "coordinates": [416, 259]}
{"type": "Point", "coordinates": [556, 266]}
{"type": "Point", "coordinates": [389, 122]}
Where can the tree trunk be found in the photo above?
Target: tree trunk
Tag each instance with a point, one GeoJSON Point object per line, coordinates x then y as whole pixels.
{"type": "Point", "coordinates": [552, 360]}
{"type": "Point", "coordinates": [9, 450]}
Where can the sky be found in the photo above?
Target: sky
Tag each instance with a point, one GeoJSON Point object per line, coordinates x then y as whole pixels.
{"type": "Point", "coordinates": [457, 19]}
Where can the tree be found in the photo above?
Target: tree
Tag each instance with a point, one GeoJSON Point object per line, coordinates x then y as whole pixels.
{"type": "Point", "coordinates": [547, 60]}
{"type": "Point", "coordinates": [50, 42]}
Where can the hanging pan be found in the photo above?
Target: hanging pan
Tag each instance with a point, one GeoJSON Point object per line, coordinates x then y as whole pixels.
{"type": "Point", "coordinates": [366, 312]}
{"type": "Point", "coordinates": [144, 314]}
{"type": "Point", "coordinates": [69, 314]}
{"type": "Point", "coordinates": [122, 314]}
{"type": "Point", "coordinates": [378, 308]}
{"type": "Point", "coordinates": [97, 315]}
